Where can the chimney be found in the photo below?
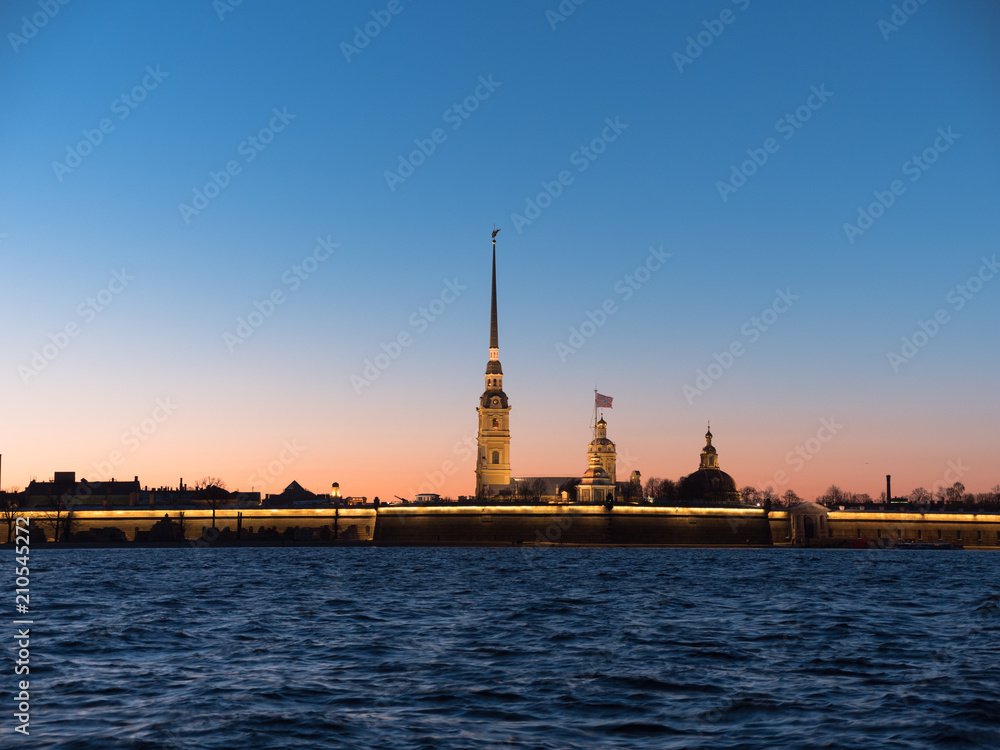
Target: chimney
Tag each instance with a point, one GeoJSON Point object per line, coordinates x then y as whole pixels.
{"type": "Point", "coordinates": [888, 488]}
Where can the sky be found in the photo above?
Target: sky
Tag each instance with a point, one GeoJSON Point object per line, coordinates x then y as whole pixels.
{"type": "Point", "coordinates": [252, 240]}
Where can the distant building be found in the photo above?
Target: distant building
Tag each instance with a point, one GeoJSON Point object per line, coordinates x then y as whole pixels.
{"type": "Point", "coordinates": [66, 490]}
{"type": "Point", "coordinates": [294, 494]}
{"type": "Point", "coordinates": [428, 497]}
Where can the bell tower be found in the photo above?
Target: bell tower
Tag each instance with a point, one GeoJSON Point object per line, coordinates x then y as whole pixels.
{"type": "Point", "coordinates": [709, 456]}
{"type": "Point", "coordinates": [604, 449]}
{"type": "Point", "coordinates": [493, 459]}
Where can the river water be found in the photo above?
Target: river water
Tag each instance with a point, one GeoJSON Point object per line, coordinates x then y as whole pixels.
{"type": "Point", "coordinates": [511, 648]}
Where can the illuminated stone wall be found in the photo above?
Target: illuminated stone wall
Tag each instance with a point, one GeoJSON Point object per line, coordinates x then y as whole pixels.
{"type": "Point", "coordinates": [967, 529]}
{"type": "Point", "coordinates": [352, 524]}
{"type": "Point", "coordinates": [572, 524]}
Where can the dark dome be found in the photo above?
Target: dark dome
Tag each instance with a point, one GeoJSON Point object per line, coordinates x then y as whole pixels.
{"type": "Point", "coordinates": [708, 487]}
{"type": "Point", "coordinates": [493, 367]}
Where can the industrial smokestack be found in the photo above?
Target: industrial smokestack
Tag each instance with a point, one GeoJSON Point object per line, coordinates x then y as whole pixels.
{"type": "Point", "coordinates": [888, 488]}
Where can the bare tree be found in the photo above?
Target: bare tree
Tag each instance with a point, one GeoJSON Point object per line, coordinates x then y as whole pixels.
{"type": "Point", "coordinates": [954, 493]}
{"type": "Point", "coordinates": [629, 491]}
{"type": "Point", "coordinates": [654, 488]}
{"type": "Point", "coordinates": [569, 487]}
{"type": "Point", "coordinates": [205, 482]}
{"type": "Point", "coordinates": [538, 488]}
{"type": "Point", "coordinates": [750, 495]}
{"type": "Point", "coordinates": [833, 496]}
{"type": "Point", "coordinates": [790, 498]}
{"type": "Point", "coordinates": [10, 505]}
{"type": "Point", "coordinates": [669, 490]}
{"type": "Point", "coordinates": [213, 491]}
{"type": "Point", "coordinates": [61, 518]}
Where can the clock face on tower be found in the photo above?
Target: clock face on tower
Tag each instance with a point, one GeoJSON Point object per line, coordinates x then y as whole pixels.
{"type": "Point", "coordinates": [496, 402]}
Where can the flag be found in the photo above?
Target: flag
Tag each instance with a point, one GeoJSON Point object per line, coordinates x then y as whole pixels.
{"type": "Point", "coordinates": [603, 402]}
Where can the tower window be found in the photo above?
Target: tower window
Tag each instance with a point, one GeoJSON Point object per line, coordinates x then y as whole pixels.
{"type": "Point", "coordinates": [496, 457]}
{"type": "Point", "coordinates": [496, 424]}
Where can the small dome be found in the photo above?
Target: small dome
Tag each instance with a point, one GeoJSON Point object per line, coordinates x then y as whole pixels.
{"type": "Point", "coordinates": [595, 474]}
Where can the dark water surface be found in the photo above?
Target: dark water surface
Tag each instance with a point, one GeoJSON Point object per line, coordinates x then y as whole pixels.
{"type": "Point", "coordinates": [508, 648]}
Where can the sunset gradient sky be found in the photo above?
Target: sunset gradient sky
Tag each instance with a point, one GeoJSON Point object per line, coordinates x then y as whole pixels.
{"type": "Point", "coordinates": [121, 307]}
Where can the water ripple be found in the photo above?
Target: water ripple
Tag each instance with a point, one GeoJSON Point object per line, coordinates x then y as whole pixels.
{"type": "Point", "coordinates": [503, 648]}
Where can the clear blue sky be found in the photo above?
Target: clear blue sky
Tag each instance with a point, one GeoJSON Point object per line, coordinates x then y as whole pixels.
{"type": "Point", "coordinates": [683, 125]}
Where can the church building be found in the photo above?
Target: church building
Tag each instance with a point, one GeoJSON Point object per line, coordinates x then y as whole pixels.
{"type": "Point", "coordinates": [710, 485]}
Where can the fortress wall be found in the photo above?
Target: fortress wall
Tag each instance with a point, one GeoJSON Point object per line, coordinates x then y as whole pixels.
{"type": "Point", "coordinates": [967, 529]}
{"type": "Point", "coordinates": [571, 524]}
{"type": "Point", "coordinates": [351, 523]}
{"type": "Point", "coordinates": [781, 527]}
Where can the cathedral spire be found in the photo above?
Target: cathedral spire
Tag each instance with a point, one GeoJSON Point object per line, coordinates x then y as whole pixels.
{"type": "Point", "coordinates": [494, 336]}
{"type": "Point", "coordinates": [493, 461]}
